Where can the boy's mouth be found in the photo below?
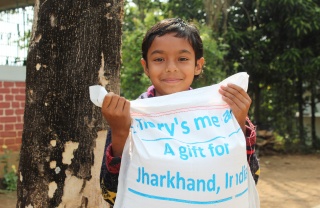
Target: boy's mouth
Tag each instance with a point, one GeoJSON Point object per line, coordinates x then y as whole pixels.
{"type": "Point", "coordinates": [171, 80]}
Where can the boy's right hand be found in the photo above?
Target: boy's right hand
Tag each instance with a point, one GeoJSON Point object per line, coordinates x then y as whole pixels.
{"type": "Point", "coordinates": [116, 110]}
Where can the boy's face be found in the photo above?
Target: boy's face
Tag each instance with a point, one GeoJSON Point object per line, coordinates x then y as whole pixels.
{"type": "Point", "coordinates": [171, 64]}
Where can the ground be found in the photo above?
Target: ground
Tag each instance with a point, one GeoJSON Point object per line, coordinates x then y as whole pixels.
{"type": "Point", "coordinates": [290, 181]}
{"type": "Point", "coordinates": [286, 181]}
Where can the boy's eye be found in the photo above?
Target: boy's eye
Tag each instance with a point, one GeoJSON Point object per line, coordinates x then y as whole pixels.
{"type": "Point", "coordinates": [183, 59]}
{"type": "Point", "coordinates": [159, 59]}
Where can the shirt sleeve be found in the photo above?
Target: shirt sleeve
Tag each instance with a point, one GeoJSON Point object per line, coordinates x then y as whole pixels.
{"type": "Point", "coordinates": [251, 153]}
{"type": "Point", "coordinates": [109, 173]}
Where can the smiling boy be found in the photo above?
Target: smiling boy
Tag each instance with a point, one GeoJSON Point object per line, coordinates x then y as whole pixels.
{"type": "Point", "coordinates": [172, 56]}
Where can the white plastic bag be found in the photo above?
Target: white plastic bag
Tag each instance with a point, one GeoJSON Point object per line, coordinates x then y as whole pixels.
{"type": "Point", "coordinates": [186, 150]}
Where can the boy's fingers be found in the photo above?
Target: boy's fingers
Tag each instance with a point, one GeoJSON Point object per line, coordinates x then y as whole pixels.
{"type": "Point", "coordinates": [107, 100]}
{"type": "Point", "coordinates": [121, 104]}
{"type": "Point", "coordinates": [241, 92]}
{"type": "Point", "coordinates": [235, 91]}
{"type": "Point", "coordinates": [114, 99]}
{"type": "Point", "coordinates": [230, 95]}
{"type": "Point", "coordinates": [236, 94]}
{"type": "Point", "coordinates": [126, 107]}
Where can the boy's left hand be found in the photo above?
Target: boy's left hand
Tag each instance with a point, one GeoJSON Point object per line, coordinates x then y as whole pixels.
{"type": "Point", "coordinates": [239, 102]}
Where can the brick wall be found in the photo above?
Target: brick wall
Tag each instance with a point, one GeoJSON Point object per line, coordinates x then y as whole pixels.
{"type": "Point", "coordinates": [12, 101]}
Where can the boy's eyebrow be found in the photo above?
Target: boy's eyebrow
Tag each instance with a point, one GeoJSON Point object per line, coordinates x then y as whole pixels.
{"type": "Point", "coordinates": [161, 51]}
{"type": "Point", "coordinates": [157, 51]}
{"type": "Point", "coordinates": [185, 51]}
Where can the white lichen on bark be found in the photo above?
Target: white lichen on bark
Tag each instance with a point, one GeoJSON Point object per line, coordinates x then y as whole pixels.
{"type": "Point", "coordinates": [69, 149]}
{"type": "Point", "coordinates": [53, 164]}
{"type": "Point", "coordinates": [34, 25]}
{"type": "Point", "coordinates": [102, 79]}
{"type": "Point", "coordinates": [53, 21]}
{"type": "Point", "coordinates": [38, 66]}
{"type": "Point", "coordinates": [53, 142]}
{"type": "Point", "coordinates": [52, 188]}
{"type": "Point", "coordinates": [21, 177]}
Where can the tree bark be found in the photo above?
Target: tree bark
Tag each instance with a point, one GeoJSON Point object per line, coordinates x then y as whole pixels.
{"type": "Point", "coordinates": [74, 44]}
{"type": "Point", "coordinates": [213, 9]}
{"type": "Point", "coordinates": [313, 113]}
{"type": "Point", "coordinates": [257, 103]}
{"type": "Point", "coordinates": [301, 108]}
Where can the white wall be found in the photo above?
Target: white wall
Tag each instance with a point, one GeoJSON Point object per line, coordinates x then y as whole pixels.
{"type": "Point", "coordinates": [12, 73]}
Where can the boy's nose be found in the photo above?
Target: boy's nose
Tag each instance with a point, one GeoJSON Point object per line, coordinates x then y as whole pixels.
{"type": "Point", "coordinates": [171, 66]}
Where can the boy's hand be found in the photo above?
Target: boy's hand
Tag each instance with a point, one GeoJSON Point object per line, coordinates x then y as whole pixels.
{"type": "Point", "coordinates": [116, 111]}
{"type": "Point", "coordinates": [239, 102]}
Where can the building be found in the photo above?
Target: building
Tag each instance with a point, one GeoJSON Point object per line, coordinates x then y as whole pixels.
{"type": "Point", "coordinates": [15, 22]}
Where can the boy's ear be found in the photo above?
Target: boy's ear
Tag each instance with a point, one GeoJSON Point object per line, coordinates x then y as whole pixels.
{"type": "Point", "coordinates": [144, 65]}
{"type": "Point", "coordinates": [199, 66]}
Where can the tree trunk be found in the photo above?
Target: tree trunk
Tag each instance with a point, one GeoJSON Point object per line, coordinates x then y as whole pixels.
{"type": "Point", "coordinates": [257, 103]}
{"type": "Point", "coordinates": [74, 44]}
{"type": "Point", "coordinates": [141, 7]}
{"type": "Point", "coordinates": [301, 101]}
{"type": "Point", "coordinates": [213, 9]}
{"type": "Point", "coordinates": [313, 113]}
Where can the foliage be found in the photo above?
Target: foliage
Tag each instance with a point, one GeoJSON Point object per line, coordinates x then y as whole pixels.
{"type": "Point", "coordinates": [214, 52]}
{"type": "Point", "coordinates": [188, 10]}
{"type": "Point", "coordinates": [276, 42]}
{"type": "Point", "coordinates": [133, 79]}
{"type": "Point", "coordinates": [10, 175]}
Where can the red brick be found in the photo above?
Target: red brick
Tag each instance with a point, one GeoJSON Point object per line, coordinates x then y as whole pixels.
{"type": "Point", "coordinates": [1, 127]}
{"type": "Point", "coordinates": [15, 90]}
{"type": "Point", "coordinates": [15, 147]}
{"type": "Point", "coordinates": [9, 141]}
{"type": "Point", "coordinates": [8, 119]}
{"type": "Point", "coordinates": [8, 134]}
{"type": "Point", "coordinates": [4, 90]}
{"type": "Point", "coordinates": [20, 97]}
{"type": "Point", "coordinates": [10, 147]}
{"type": "Point", "coordinates": [19, 119]}
{"type": "Point", "coordinates": [1, 97]}
{"type": "Point", "coordinates": [22, 104]}
{"type": "Point", "coordinates": [5, 105]}
{"type": "Point", "coordinates": [9, 112]}
{"type": "Point", "coordinates": [20, 90]}
{"type": "Point", "coordinates": [1, 143]}
{"type": "Point", "coordinates": [1, 112]}
{"type": "Point", "coordinates": [8, 98]}
{"type": "Point", "coordinates": [19, 111]}
{"type": "Point", "coordinates": [20, 84]}
{"type": "Point", "coordinates": [19, 126]}
{"type": "Point", "coordinates": [15, 104]}
{"type": "Point", "coordinates": [19, 140]}
{"type": "Point", "coordinates": [8, 84]}
{"type": "Point", "coordinates": [19, 134]}
{"type": "Point", "coordinates": [1, 83]}
{"type": "Point", "coordinates": [9, 127]}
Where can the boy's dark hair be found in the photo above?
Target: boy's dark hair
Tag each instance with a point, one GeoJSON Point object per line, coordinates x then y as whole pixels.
{"type": "Point", "coordinates": [181, 30]}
